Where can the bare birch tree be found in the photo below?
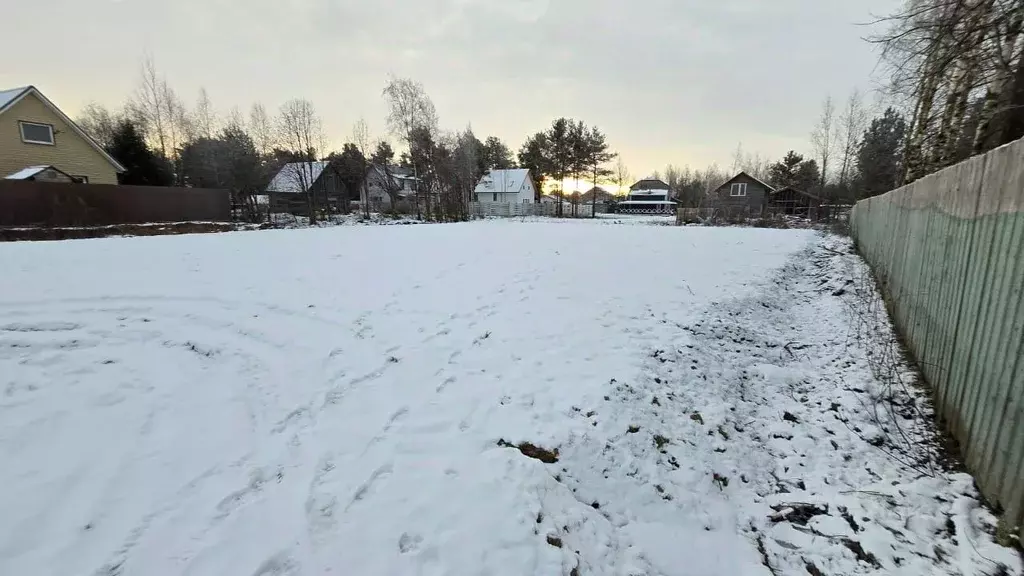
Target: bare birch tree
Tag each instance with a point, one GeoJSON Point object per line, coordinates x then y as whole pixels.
{"type": "Point", "coordinates": [150, 105]}
{"type": "Point", "coordinates": [301, 131]}
{"type": "Point", "coordinates": [260, 129]}
{"type": "Point", "coordinates": [98, 122]}
{"type": "Point", "coordinates": [824, 137]}
{"type": "Point", "coordinates": [409, 110]}
{"type": "Point", "coordinates": [361, 138]}
{"type": "Point", "coordinates": [953, 63]}
{"type": "Point", "coordinates": [204, 118]}
{"type": "Point", "coordinates": [852, 122]}
{"type": "Point", "coordinates": [622, 175]}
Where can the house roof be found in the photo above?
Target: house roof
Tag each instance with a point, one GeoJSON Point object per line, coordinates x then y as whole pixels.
{"type": "Point", "coordinates": [798, 191]}
{"type": "Point", "coordinates": [503, 180]}
{"type": "Point", "coordinates": [31, 171]}
{"type": "Point", "coordinates": [399, 175]}
{"type": "Point", "coordinates": [8, 98]}
{"type": "Point", "coordinates": [296, 177]}
{"type": "Point", "coordinates": [7, 95]}
{"type": "Point", "coordinates": [598, 192]}
{"type": "Point", "coordinates": [26, 173]}
{"type": "Point", "coordinates": [650, 184]}
{"type": "Point", "coordinates": [766, 185]}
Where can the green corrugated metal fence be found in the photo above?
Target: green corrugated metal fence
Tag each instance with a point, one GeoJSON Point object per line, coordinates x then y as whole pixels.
{"type": "Point", "coordinates": [948, 252]}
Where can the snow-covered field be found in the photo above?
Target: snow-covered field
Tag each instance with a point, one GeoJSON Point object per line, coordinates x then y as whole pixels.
{"type": "Point", "coordinates": [358, 400]}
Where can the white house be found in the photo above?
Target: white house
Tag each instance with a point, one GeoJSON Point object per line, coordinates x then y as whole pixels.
{"type": "Point", "coordinates": [506, 187]}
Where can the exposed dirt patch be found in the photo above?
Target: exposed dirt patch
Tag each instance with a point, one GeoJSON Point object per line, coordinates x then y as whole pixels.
{"type": "Point", "coordinates": [797, 512]}
{"type": "Point", "coordinates": [537, 453]}
{"type": "Point", "coordinates": [71, 233]}
{"type": "Point", "coordinates": [860, 553]}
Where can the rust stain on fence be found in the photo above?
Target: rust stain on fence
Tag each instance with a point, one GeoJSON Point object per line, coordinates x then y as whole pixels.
{"type": "Point", "coordinates": [58, 204]}
{"type": "Point", "coordinates": [948, 251]}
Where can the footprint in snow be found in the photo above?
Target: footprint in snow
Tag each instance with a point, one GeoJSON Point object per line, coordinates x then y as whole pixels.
{"type": "Point", "coordinates": [409, 542]}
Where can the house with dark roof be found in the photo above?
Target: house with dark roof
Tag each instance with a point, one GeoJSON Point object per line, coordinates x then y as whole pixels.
{"type": "Point", "coordinates": [742, 190]}
{"type": "Point", "coordinates": [597, 193]}
{"type": "Point", "coordinates": [34, 133]}
{"type": "Point", "coordinates": [293, 185]}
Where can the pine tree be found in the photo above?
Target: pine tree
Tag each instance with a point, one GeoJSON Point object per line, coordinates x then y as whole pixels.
{"type": "Point", "coordinates": [533, 156]}
{"type": "Point", "coordinates": [351, 168]}
{"type": "Point", "coordinates": [142, 166]}
{"type": "Point", "coordinates": [496, 155]}
{"type": "Point", "coordinates": [784, 172]}
{"type": "Point", "coordinates": [879, 159]}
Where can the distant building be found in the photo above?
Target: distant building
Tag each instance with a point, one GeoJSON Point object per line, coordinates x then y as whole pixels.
{"type": "Point", "coordinates": [601, 194]}
{"type": "Point", "coordinates": [506, 187]}
{"type": "Point", "coordinates": [648, 196]}
{"type": "Point", "coordinates": [742, 190]}
{"type": "Point", "coordinates": [793, 202]}
{"type": "Point", "coordinates": [403, 185]}
{"type": "Point", "coordinates": [288, 190]}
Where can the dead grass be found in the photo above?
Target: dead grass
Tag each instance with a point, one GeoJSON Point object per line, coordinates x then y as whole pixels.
{"type": "Point", "coordinates": [531, 451]}
{"type": "Point", "coordinates": [172, 228]}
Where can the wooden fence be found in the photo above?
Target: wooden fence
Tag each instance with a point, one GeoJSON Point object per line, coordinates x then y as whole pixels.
{"type": "Point", "coordinates": [53, 204]}
{"type": "Point", "coordinates": [948, 252]}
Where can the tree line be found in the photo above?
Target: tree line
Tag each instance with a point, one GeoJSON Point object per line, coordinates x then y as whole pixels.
{"type": "Point", "coordinates": [163, 142]}
{"type": "Point", "coordinates": [849, 156]}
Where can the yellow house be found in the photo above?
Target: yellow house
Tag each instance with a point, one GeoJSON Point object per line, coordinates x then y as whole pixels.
{"type": "Point", "coordinates": [34, 132]}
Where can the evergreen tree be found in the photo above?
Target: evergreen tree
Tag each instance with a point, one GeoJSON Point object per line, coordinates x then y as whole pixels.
{"type": "Point", "coordinates": [597, 156]}
{"type": "Point", "coordinates": [783, 172]}
{"type": "Point", "coordinates": [495, 155]}
{"type": "Point", "coordinates": [383, 156]}
{"type": "Point", "coordinates": [793, 170]}
{"type": "Point", "coordinates": [879, 159]}
{"type": "Point", "coordinates": [533, 156]}
{"type": "Point", "coordinates": [142, 166]}
{"type": "Point", "coordinates": [351, 167]}
{"type": "Point", "coordinates": [808, 175]}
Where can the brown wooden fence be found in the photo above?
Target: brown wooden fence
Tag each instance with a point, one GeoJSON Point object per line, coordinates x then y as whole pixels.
{"type": "Point", "coordinates": [58, 204]}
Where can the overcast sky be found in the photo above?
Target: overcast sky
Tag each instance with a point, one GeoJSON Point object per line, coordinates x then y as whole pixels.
{"type": "Point", "coordinates": [669, 81]}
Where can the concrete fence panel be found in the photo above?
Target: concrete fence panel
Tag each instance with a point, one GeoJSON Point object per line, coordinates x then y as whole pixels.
{"type": "Point", "coordinates": [948, 253]}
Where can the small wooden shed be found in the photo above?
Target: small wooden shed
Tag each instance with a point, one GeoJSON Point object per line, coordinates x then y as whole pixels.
{"type": "Point", "coordinates": [793, 202]}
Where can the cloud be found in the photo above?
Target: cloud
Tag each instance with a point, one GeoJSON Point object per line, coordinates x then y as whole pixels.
{"type": "Point", "coordinates": [679, 81]}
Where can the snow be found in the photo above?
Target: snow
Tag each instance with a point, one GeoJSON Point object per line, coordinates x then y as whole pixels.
{"type": "Point", "coordinates": [342, 400]}
{"type": "Point", "coordinates": [296, 177]}
{"type": "Point", "coordinates": [6, 96]}
{"type": "Point", "coordinates": [25, 173]}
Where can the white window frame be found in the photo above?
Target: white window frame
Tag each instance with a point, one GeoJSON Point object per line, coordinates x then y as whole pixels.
{"type": "Point", "coordinates": [495, 197]}
{"type": "Point", "coordinates": [738, 189]}
{"type": "Point", "coordinates": [21, 129]}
